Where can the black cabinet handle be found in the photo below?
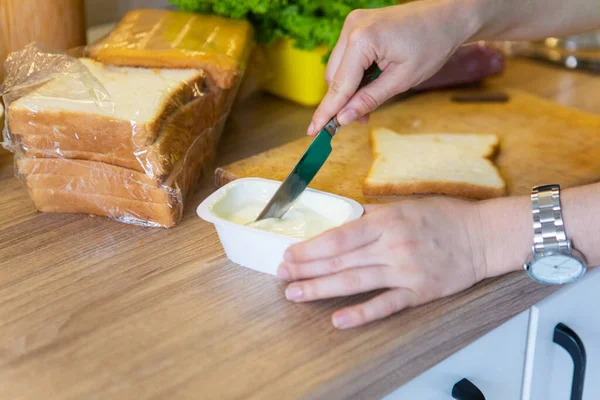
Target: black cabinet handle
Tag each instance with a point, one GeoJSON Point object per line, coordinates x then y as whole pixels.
{"type": "Point", "coordinates": [568, 340]}
{"type": "Point", "coordinates": [466, 390]}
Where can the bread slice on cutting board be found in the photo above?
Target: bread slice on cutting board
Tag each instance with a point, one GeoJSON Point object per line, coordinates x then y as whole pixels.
{"type": "Point", "coordinates": [450, 164]}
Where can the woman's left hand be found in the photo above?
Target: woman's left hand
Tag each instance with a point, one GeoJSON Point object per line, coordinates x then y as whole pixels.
{"type": "Point", "coordinates": [419, 250]}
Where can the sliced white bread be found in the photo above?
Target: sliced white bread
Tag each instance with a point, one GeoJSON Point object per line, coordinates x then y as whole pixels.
{"type": "Point", "coordinates": [122, 209]}
{"type": "Point", "coordinates": [140, 99]}
{"type": "Point", "coordinates": [159, 159]}
{"type": "Point", "coordinates": [91, 187]}
{"type": "Point", "coordinates": [450, 164]}
{"type": "Point", "coordinates": [92, 177]}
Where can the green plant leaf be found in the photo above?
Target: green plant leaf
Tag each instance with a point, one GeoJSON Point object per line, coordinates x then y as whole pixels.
{"type": "Point", "coordinates": [310, 23]}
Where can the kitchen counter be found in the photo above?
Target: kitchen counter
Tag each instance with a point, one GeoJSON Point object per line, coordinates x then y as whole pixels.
{"type": "Point", "coordinates": [95, 309]}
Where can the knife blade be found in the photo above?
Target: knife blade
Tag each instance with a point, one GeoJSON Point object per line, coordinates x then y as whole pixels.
{"type": "Point", "coordinates": [309, 164]}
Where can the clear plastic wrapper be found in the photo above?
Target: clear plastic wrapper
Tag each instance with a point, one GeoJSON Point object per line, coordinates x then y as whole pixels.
{"type": "Point", "coordinates": [167, 39]}
{"type": "Point", "coordinates": [127, 142]}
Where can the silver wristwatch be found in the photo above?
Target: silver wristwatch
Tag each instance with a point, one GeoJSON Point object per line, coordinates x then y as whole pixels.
{"type": "Point", "coordinates": [553, 260]}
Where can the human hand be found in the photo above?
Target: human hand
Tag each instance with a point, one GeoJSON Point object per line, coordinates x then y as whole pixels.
{"type": "Point", "coordinates": [408, 42]}
{"type": "Point", "coordinates": [419, 250]}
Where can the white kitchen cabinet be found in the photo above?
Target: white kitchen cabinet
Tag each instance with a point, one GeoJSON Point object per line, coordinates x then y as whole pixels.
{"type": "Point", "coordinates": [493, 363]}
{"type": "Point", "coordinates": [549, 367]}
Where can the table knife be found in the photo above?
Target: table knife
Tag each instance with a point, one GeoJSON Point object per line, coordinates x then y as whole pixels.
{"type": "Point", "coordinates": [310, 163]}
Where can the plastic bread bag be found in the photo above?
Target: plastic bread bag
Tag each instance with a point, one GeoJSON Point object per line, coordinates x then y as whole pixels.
{"type": "Point", "coordinates": [167, 39]}
{"type": "Point", "coordinates": [127, 142]}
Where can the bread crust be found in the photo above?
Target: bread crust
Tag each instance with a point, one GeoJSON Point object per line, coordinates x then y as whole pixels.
{"type": "Point", "coordinates": [223, 77]}
{"type": "Point", "coordinates": [126, 161]}
{"type": "Point", "coordinates": [82, 168]}
{"type": "Point", "coordinates": [127, 210]}
{"type": "Point", "coordinates": [110, 186]}
{"type": "Point", "coordinates": [454, 189]}
{"type": "Point", "coordinates": [92, 187]}
{"type": "Point", "coordinates": [123, 46]}
{"type": "Point", "coordinates": [88, 127]}
{"type": "Point", "coordinates": [158, 159]}
{"type": "Point", "coordinates": [72, 186]}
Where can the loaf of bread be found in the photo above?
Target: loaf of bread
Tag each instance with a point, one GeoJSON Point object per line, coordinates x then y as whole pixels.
{"type": "Point", "coordinates": [64, 185]}
{"type": "Point", "coordinates": [157, 159]}
{"type": "Point", "coordinates": [139, 101]}
{"type": "Point", "coordinates": [167, 39]}
{"type": "Point", "coordinates": [60, 184]}
{"type": "Point", "coordinates": [133, 155]}
{"type": "Point", "coordinates": [90, 176]}
{"type": "Point", "coordinates": [118, 208]}
{"type": "Point", "coordinates": [127, 131]}
{"type": "Point", "coordinates": [450, 164]}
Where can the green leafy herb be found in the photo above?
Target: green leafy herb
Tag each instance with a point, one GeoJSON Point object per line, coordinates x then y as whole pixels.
{"type": "Point", "coordinates": [310, 23]}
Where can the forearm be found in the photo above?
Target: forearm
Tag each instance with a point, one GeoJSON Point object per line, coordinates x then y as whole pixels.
{"type": "Point", "coordinates": [533, 19]}
{"type": "Point", "coordinates": [507, 228]}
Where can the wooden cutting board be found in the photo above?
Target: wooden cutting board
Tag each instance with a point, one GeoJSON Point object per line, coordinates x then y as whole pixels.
{"type": "Point", "coordinates": [540, 142]}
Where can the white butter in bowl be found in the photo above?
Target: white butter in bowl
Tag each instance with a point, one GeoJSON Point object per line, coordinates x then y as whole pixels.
{"type": "Point", "coordinates": [260, 245]}
{"type": "Point", "coordinates": [300, 221]}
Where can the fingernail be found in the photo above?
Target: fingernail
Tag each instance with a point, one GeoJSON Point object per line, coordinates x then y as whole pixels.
{"type": "Point", "coordinates": [283, 273]}
{"type": "Point", "coordinates": [311, 128]}
{"type": "Point", "coordinates": [346, 116]}
{"type": "Point", "coordinates": [287, 256]}
{"type": "Point", "coordinates": [293, 293]}
{"type": "Point", "coordinates": [341, 321]}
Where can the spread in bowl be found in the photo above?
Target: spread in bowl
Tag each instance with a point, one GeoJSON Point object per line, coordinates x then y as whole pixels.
{"type": "Point", "coordinates": [300, 221]}
{"type": "Point", "coordinates": [233, 210]}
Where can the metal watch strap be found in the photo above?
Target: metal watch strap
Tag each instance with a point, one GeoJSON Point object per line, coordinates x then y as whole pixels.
{"type": "Point", "coordinates": [548, 228]}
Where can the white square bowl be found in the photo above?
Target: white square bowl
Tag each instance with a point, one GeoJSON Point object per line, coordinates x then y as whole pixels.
{"type": "Point", "coordinates": [258, 249]}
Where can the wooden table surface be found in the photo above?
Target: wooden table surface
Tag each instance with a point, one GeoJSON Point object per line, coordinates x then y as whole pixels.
{"type": "Point", "coordinates": [95, 309]}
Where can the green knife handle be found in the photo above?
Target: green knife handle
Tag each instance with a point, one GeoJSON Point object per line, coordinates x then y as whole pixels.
{"type": "Point", "coordinates": [369, 76]}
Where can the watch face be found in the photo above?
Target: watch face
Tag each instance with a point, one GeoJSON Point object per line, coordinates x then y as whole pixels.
{"type": "Point", "coordinates": [556, 269]}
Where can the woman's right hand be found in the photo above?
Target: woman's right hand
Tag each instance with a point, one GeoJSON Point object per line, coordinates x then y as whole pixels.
{"type": "Point", "coordinates": [408, 42]}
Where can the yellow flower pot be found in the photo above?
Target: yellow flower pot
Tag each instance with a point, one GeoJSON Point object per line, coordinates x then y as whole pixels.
{"type": "Point", "coordinates": [293, 74]}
